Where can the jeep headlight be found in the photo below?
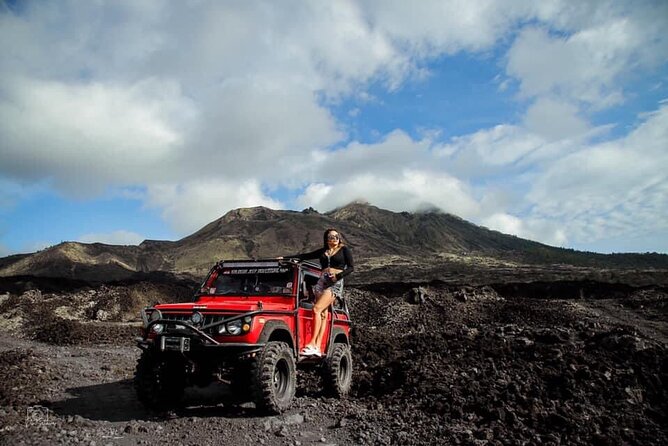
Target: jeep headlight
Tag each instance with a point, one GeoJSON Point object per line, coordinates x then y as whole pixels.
{"type": "Point", "coordinates": [196, 318]}
{"type": "Point", "coordinates": [155, 315]}
{"type": "Point", "coordinates": [234, 327]}
{"type": "Point", "coordinates": [157, 328]}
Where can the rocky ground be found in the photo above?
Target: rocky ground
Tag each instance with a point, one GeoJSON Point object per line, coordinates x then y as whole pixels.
{"type": "Point", "coordinates": [546, 363]}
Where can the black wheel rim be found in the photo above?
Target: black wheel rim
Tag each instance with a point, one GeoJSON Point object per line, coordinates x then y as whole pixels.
{"type": "Point", "coordinates": [344, 370]}
{"type": "Point", "coordinates": [281, 378]}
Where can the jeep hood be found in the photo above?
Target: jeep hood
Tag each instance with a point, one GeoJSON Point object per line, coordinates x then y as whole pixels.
{"type": "Point", "coordinates": [229, 303]}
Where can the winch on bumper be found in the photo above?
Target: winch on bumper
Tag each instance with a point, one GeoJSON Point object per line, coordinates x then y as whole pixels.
{"type": "Point", "coordinates": [169, 335]}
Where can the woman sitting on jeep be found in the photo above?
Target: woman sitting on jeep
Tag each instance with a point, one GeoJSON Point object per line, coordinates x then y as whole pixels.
{"type": "Point", "coordinates": [336, 261]}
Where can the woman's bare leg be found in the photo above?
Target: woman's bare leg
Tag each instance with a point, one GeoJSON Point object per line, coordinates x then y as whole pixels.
{"type": "Point", "coordinates": [319, 312]}
{"type": "Point", "coordinates": [323, 324]}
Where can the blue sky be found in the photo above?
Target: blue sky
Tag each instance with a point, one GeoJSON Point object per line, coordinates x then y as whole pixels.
{"type": "Point", "coordinates": [129, 120]}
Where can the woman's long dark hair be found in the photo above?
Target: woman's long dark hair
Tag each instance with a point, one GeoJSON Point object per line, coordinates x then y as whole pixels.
{"type": "Point", "coordinates": [324, 238]}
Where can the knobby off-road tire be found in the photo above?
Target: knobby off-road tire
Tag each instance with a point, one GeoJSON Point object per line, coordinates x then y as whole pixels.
{"type": "Point", "coordinates": [274, 378]}
{"type": "Point", "coordinates": [159, 382]}
{"type": "Point", "coordinates": [337, 372]}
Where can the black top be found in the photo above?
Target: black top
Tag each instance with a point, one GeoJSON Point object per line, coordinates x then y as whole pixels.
{"type": "Point", "coordinates": [343, 259]}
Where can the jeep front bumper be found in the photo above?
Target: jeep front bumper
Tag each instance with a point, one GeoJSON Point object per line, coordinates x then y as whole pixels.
{"type": "Point", "coordinates": [185, 338]}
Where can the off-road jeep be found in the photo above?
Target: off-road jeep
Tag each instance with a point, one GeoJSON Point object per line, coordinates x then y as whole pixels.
{"type": "Point", "coordinates": [245, 328]}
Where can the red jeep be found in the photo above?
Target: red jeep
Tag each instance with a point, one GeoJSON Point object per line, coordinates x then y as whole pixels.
{"type": "Point", "coordinates": [247, 324]}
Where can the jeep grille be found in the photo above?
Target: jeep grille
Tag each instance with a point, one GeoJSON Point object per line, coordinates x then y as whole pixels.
{"type": "Point", "coordinates": [208, 318]}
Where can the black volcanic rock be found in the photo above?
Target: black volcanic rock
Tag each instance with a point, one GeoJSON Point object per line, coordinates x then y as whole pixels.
{"type": "Point", "coordinates": [515, 368]}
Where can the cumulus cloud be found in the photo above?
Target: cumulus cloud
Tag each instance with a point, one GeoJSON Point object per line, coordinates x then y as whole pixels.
{"type": "Point", "coordinates": [397, 173]}
{"type": "Point", "coordinates": [120, 237]}
{"type": "Point", "coordinates": [502, 159]}
{"type": "Point", "coordinates": [257, 128]}
{"type": "Point", "coordinates": [206, 105]}
{"type": "Point", "coordinates": [497, 146]}
{"type": "Point", "coordinates": [572, 190]}
{"type": "Point", "coordinates": [409, 190]}
{"type": "Point", "coordinates": [612, 188]}
{"type": "Point", "coordinates": [545, 231]}
{"type": "Point", "coordinates": [190, 205]}
{"type": "Point", "coordinates": [436, 27]}
{"type": "Point", "coordinates": [555, 120]}
{"type": "Point", "coordinates": [603, 41]}
{"type": "Point", "coordinates": [393, 153]}
{"type": "Point", "coordinates": [87, 136]}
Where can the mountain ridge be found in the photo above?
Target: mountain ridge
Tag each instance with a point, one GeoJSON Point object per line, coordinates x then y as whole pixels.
{"type": "Point", "coordinates": [373, 233]}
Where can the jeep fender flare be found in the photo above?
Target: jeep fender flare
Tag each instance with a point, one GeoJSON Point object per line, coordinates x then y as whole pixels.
{"type": "Point", "coordinates": [276, 331]}
{"type": "Point", "coordinates": [339, 336]}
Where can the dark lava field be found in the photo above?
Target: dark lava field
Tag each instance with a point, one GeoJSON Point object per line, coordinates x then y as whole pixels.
{"type": "Point", "coordinates": [554, 363]}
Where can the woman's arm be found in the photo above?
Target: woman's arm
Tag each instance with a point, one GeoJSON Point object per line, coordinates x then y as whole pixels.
{"type": "Point", "coordinates": [309, 255]}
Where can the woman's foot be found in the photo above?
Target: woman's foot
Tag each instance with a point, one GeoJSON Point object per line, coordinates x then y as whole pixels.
{"type": "Point", "coordinates": [310, 350]}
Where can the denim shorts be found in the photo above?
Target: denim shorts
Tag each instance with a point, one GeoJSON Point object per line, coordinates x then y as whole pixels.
{"type": "Point", "coordinates": [336, 288]}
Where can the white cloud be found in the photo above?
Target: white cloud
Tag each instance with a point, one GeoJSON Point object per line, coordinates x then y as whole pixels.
{"type": "Point", "coordinates": [206, 104]}
{"type": "Point", "coordinates": [315, 193]}
{"type": "Point", "coordinates": [397, 173]}
{"type": "Point", "coordinates": [436, 27]}
{"type": "Point", "coordinates": [87, 136]}
{"type": "Point", "coordinates": [546, 232]}
{"type": "Point", "coordinates": [257, 128]}
{"type": "Point", "coordinates": [554, 65]}
{"type": "Point", "coordinates": [605, 42]}
{"type": "Point", "coordinates": [555, 120]}
{"type": "Point", "coordinates": [407, 190]}
{"type": "Point", "coordinates": [397, 151]}
{"type": "Point", "coordinates": [497, 146]}
{"type": "Point", "coordinates": [569, 191]}
{"type": "Point", "coordinates": [190, 205]}
{"type": "Point", "coordinates": [618, 188]}
{"type": "Point", "coordinates": [120, 237]}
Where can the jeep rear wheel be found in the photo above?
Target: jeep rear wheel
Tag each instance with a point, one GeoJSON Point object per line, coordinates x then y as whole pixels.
{"type": "Point", "coordinates": [274, 378]}
{"type": "Point", "coordinates": [159, 382]}
{"type": "Point", "coordinates": [338, 371]}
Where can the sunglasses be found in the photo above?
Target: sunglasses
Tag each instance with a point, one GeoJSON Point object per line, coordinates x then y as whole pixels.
{"type": "Point", "coordinates": [332, 237]}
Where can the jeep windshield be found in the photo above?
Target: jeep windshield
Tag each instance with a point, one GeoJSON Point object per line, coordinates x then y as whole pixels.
{"type": "Point", "coordinates": [249, 279]}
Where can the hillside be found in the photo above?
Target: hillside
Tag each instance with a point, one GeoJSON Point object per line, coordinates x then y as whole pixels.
{"type": "Point", "coordinates": [432, 242]}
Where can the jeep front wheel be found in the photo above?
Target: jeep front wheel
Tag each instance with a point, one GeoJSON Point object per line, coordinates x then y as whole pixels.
{"type": "Point", "coordinates": [338, 371]}
{"type": "Point", "coordinates": [274, 378]}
